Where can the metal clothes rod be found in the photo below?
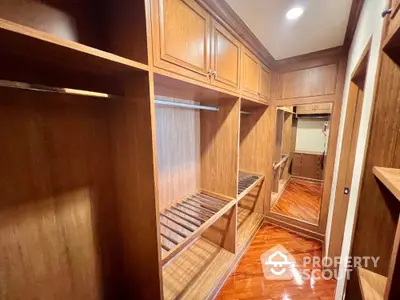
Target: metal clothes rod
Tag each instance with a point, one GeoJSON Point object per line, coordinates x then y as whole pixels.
{"type": "Point", "coordinates": [186, 105]}
{"type": "Point", "coordinates": [44, 88]}
{"type": "Point", "coordinates": [245, 112]}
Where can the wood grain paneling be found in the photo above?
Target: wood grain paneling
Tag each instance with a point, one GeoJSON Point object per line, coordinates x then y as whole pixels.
{"type": "Point", "coordinates": [256, 133]}
{"type": "Point", "coordinates": [225, 58]}
{"type": "Point", "coordinates": [219, 137]}
{"type": "Point", "coordinates": [57, 193]}
{"type": "Point", "coordinates": [181, 37]}
{"type": "Point", "coordinates": [310, 82]}
{"type": "Point", "coordinates": [265, 89]}
{"type": "Point", "coordinates": [134, 151]}
{"type": "Point", "coordinates": [250, 73]}
{"type": "Point", "coordinates": [49, 250]}
{"type": "Point", "coordinates": [178, 152]}
{"type": "Point", "coordinates": [378, 208]}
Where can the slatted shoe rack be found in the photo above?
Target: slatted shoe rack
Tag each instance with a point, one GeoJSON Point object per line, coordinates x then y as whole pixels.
{"type": "Point", "coordinates": [133, 180]}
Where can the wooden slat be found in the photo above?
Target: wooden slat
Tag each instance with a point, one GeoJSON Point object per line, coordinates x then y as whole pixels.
{"type": "Point", "coordinates": [208, 218]}
{"type": "Point", "coordinates": [173, 229]}
{"type": "Point", "coordinates": [205, 204]}
{"type": "Point", "coordinates": [247, 182]}
{"type": "Point", "coordinates": [177, 222]}
{"type": "Point", "coordinates": [206, 210]}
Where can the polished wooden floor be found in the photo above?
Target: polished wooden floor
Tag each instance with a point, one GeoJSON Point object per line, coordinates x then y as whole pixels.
{"type": "Point", "coordinates": [248, 282]}
{"type": "Point", "coordinates": [300, 200]}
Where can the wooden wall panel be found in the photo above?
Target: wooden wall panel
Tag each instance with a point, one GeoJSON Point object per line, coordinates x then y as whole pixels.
{"type": "Point", "coordinates": [219, 138]}
{"type": "Point", "coordinates": [58, 226]}
{"type": "Point", "coordinates": [134, 150]}
{"type": "Point", "coordinates": [378, 209]}
{"type": "Point", "coordinates": [178, 153]}
{"type": "Point", "coordinates": [309, 82]}
{"type": "Point", "coordinates": [256, 132]}
{"type": "Point", "coordinates": [287, 142]}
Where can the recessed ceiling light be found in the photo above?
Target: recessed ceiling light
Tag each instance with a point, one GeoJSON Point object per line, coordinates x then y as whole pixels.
{"type": "Point", "coordinates": [294, 13]}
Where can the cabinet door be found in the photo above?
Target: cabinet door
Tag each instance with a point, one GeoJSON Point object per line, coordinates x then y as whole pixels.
{"type": "Point", "coordinates": [181, 41]}
{"type": "Point", "coordinates": [225, 58]}
{"type": "Point", "coordinates": [305, 109]}
{"type": "Point", "coordinates": [250, 73]}
{"type": "Point", "coordinates": [264, 83]}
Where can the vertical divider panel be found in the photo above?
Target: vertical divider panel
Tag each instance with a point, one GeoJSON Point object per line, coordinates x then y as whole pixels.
{"type": "Point", "coordinates": [133, 128]}
{"type": "Point", "coordinates": [256, 147]}
{"type": "Point", "coordinates": [219, 138]}
{"type": "Point", "coordinates": [287, 142]}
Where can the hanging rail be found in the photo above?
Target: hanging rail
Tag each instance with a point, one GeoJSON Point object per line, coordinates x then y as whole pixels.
{"type": "Point", "coordinates": [186, 105]}
{"type": "Point", "coordinates": [45, 88]}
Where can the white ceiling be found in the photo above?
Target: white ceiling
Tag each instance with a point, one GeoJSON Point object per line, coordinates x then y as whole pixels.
{"type": "Point", "coordinates": [322, 26]}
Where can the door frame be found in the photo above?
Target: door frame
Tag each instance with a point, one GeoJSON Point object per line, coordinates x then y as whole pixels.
{"type": "Point", "coordinates": [349, 143]}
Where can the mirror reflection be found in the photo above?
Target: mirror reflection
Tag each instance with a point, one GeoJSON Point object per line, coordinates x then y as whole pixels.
{"type": "Point", "coordinates": [301, 145]}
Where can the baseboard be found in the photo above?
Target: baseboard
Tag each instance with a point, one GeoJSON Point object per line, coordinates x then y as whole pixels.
{"type": "Point", "coordinates": [296, 229]}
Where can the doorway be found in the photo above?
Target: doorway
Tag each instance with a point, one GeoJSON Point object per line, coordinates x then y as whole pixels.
{"type": "Point", "coordinates": [348, 153]}
{"type": "Point", "coordinates": [299, 161]}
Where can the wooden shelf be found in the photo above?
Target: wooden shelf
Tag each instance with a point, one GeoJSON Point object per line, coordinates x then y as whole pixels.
{"type": "Point", "coordinates": [200, 270]}
{"type": "Point", "coordinates": [372, 285]}
{"type": "Point", "coordinates": [248, 224]}
{"type": "Point", "coordinates": [390, 178]}
{"type": "Point", "coordinates": [183, 222]}
{"type": "Point", "coordinates": [247, 182]}
{"type": "Point", "coordinates": [391, 45]}
{"type": "Point", "coordinates": [63, 54]}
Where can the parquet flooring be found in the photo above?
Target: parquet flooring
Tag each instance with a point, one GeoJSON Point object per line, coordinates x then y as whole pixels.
{"type": "Point", "coordinates": [300, 200]}
{"type": "Point", "coordinates": [248, 281]}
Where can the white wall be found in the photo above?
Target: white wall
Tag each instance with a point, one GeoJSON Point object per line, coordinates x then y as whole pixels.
{"type": "Point", "coordinates": [369, 25]}
{"type": "Point", "coordinates": [309, 135]}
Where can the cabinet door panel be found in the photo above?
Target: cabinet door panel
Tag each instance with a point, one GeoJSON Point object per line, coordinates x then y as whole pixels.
{"type": "Point", "coordinates": [182, 38]}
{"type": "Point", "coordinates": [225, 58]}
{"type": "Point", "coordinates": [264, 83]}
{"type": "Point", "coordinates": [250, 73]}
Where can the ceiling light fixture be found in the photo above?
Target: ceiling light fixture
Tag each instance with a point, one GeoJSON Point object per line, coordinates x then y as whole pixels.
{"type": "Point", "coordinates": [294, 13]}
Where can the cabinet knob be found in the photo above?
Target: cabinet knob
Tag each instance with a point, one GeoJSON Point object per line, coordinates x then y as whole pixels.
{"type": "Point", "coordinates": [386, 12]}
{"type": "Point", "coordinates": [214, 73]}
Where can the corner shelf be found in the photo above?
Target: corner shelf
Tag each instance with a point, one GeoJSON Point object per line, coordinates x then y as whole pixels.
{"type": "Point", "coordinates": [184, 221]}
{"type": "Point", "coordinates": [390, 178]}
{"type": "Point", "coordinates": [372, 285]}
{"type": "Point", "coordinates": [65, 54]}
{"type": "Point", "coordinates": [247, 181]}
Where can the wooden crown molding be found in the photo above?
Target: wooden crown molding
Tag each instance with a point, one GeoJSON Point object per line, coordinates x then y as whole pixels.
{"type": "Point", "coordinates": [225, 14]}
{"type": "Point", "coordinates": [354, 16]}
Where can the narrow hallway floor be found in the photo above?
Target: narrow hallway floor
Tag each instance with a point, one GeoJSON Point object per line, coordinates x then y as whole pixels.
{"type": "Point", "coordinates": [248, 281]}
{"type": "Point", "coordinates": [300, 200]}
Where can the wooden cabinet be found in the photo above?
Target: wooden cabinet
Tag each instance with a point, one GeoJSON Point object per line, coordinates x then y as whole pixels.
{"type": "Point", "coordinates": [314, 109]}
{"type": "Point", "coordinates": [264, 87]}
{"type": "Point", "coordinates": [189, 42]}
{"type": "Point", "coordinates": [225, 58]}
{"type": "Point", "coordinates": [308, 165]}
{"type": "Point", "coordinates": [250, 73]}
{"type": "Point", "coordinates": [181, 38]}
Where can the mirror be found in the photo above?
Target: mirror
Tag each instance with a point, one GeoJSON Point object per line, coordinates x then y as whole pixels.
{"type": "Point", "coordinates": [301, 145]}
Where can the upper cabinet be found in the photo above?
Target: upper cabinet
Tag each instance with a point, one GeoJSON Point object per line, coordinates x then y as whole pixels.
{"type": "Point", "coordinates": [264, 83]}
{"type": "Point", "coordinates": [250, 73]}
{"type": "Point", "coordinates": [225, 58]}
{"type": "Point", "coordinates": [181, 38]}
{"type": "Point", "coordinates": [188, 42]}
{"type": "Point", "coordinates": [311, 82]}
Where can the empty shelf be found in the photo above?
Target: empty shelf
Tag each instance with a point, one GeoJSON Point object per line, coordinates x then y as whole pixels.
{"type": "Point", "coordinates": [390, 178]}
{"type": "Point", "coordinates": [183, 222]}
{"type": "Point", "coordinates": [372, 285]}
{"type": "Point", "coordinates": [247, 182]}
{"type": "Point", "coordinates": [61, 53]}
{"type": "Point", "coordinates": [248, 224]}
